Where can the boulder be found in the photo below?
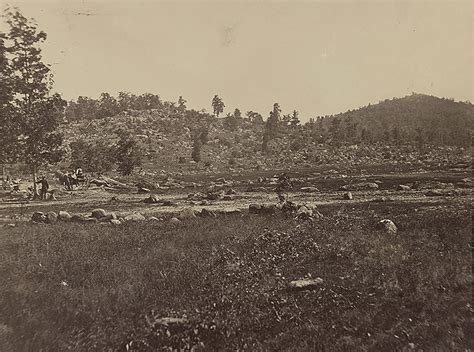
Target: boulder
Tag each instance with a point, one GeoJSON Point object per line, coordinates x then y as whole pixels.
{"type": "Point", "coordinates": [309, 189]}
{"type": "Point", "coordinates": [348, 196]}
{"type": "Point", "coordinates": [51, 217]}
{"type": "Point", "coordinates": [207, 213]}
{"type": "Point", "coordinates": [254, 208]}
{"type": "Point", "coordinates": [115, 222]}
{"type": "Point", "coordinates": [153, 218]}
{"type": "Point", "coordinates": [360, 186]}
{"type": "Point", "coordinates": [38, 216]}
{"type": "Point", "coordinates": [305, 284]}
{"type": "Point", "coordinates": [175, 221]}
{"type": "Point", "coordinates": [78, 218]}
{"type": "Point", "coordinates": [187, 213]}
{"type": "Point", "coordinates": [304, 212]}
{"type": "Point", "coordinates": [268, 209]}
{"type": "Point", "coordinates": [143, 190]}
{"type": "Point", "coordinates": [108, 217]}
{"type": "Point", "coordinates": [231, 191]}
{"type": "Point", "coordinates": [151, 200]}
{"type": "Point", "coordinates": [98, 213]}
{"type": "Point", "coordinates": [64, 216]}
{"type": "Point", "coordinates": [387, 225]}
{"type": "Point", "coordinates": [403, 188]}
{"type": "Point", "coordinates": [134, 217]}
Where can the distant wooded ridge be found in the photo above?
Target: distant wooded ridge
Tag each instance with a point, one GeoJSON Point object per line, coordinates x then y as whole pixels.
{"type": "Point", "coordinates": [418, 118]}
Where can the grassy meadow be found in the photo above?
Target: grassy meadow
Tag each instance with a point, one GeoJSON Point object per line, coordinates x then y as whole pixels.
{"type": "Point", "coordinates": [97, 287]}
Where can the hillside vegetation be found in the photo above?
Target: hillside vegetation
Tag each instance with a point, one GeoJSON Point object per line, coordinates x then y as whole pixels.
{"type": "Point", "coordinates": [409, 129]}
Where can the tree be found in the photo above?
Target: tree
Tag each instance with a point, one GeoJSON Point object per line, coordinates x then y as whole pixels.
{"type": "Point", "coordinates": [254, 117]}
{"type": "Point", "coordinates": [295, 121]}
{"type": "Point", "coordinates": [181, 104]}
{"type": "Point", "coordinates": [108, 106]}
{"type": "Point", "coordinates": [196, 152]}
{"type": "Point", "coordinates": [94, 156]}
{"type": "Point", "coordinates": [271, 126]}
{"type": "Point", "coordinates": [37, 113]}
{"type": "Point", "coordinates": [218, 105]}
{"type": "Point", "coordinates": [128, 152]}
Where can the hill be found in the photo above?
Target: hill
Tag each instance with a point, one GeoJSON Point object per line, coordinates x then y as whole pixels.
{"type": "Point", "coordinates": [417, 127]}
{"type": "Point", "coordinates": [417, 118]}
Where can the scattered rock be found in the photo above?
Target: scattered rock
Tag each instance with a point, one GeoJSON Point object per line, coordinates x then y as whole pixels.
{"type": "Point", "coordinates": [387, 225]}
{"type": "Point", "coordinates": [207, 213]}
{"type": "Point", "coordinates": [305, 284]}
{"type": "Point", "coordinates": [360, 186]}
{"type": "Point", "coordinates": [51, 217]}
{"type": "Point", "coordinates": [348, 196]}
{"type": "Point", "coordinates": [78, 218]}
{"type": "Point", "coordinates": [187, 213]}
{"type": "Point", "coordinates": [134, 217]}
{"type": "Point", "coordinates": [64, 216]}
{"type": "Point", "coordinates": [167, 321]}
{"type": "Point", "coordinates": [38, 216]}
{"type": "Point", "coordinates": [403, 188]}
{"type": "Point", "coordinates": [98, 213]}
{"type": "Point", "coordinates": [434, 193]}
{"type": "Point", "coordinates": [143, 190]}
{"type": "Point", "coordinates": [309, 189]}
{"type": "Point", "coordinates": [115, 222]}
{"type": "Point", "coordinates": [231, 191]}
{"type": "Point", "coordinates": [175, 221]}
{"type": "Point", "coordinates": [153, 218]}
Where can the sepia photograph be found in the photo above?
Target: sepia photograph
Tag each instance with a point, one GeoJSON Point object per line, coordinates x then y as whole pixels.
{"type": "Point", "coordinates": [236, 175]}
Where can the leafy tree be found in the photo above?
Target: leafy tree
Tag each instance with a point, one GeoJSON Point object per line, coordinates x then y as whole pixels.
{"type": "Point", "coordinates": [108, 106]}
{"type": "Point", "coordinates": [37, 113]}
{"type": "Point", "coordinates": [254, 117]}
{"type": "Point", "coordinates": [217, 105]}
{"type": "Point", "coordinates": [128, 152]}
{"type": "Point", "coordinates": [95, 156]}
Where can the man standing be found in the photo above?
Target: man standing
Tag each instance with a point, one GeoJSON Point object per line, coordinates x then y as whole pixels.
{"type": "Point", "coordinates": [44, 187]}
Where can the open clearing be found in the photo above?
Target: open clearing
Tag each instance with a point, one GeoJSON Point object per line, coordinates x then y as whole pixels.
{"type": "Point", "coordinates": [223, 283]}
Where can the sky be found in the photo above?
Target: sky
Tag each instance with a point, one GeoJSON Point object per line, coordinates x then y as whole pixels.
{"type": "Point", "coordinates": [318, 57]}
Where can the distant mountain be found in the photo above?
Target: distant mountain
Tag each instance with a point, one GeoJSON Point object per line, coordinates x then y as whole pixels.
{"type": "Point", "coordinates": [416, 118]}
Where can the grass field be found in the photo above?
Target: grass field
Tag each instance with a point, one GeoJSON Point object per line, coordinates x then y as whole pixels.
{"type": "Point", "coordinates": [87, 287]}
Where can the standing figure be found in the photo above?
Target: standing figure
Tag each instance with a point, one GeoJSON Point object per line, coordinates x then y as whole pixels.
{"type": "Point", "coordinates": [44, 187]}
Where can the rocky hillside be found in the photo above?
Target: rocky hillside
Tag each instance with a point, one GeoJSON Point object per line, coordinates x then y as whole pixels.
{"type": "Point", "coordinates": [408, 130]}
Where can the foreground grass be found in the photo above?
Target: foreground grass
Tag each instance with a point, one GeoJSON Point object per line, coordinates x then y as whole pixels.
{"type": "Point", "coordinates": [98, 287]}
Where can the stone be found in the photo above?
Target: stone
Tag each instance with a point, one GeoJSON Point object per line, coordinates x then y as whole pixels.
{"type": "Point", "coordinates": [348, 196]}
{"type": "Point", "coordinates": [115, 222]}
{"type": "Point", "coordinates": [231, 191]}
{"type": "Point", "coordinates": [305, 284]}
{"type": "Point", "coordinates": [134, 217]}
{"type": "Point", "coordinates": [304, 212]}
{"type": "Point", "coordinates": [167, 321]}
{"type": "Point", "coordinates": [38, 216]}
{"type": "Point", "coordinates": [151, 200]}
{"type": "Point", "coordinates": [51, 217]}
{"type": "Point", "coordinates": [78, 218]}
{"type": "Point", "coordinates": [175, 221]}
{"type": "Point", "coordinates": [64, 216]}
{"type": "Point", "coordinates": [98, 213]}
{"type": "Point", "coordinates": [187, 213]}
{"type": "Point", "coordinates": [153, 218]}
{"type": "Point", "coordinates": [387, 225]}
{"type": "Point", "coordinates": [434, 193]}
{"type": "Point", "coordinates": [207, 213]}
{"type": "Point", "coordinates": [309, 189]}
{"type": "Point", "coordinates": [403, 188]}
{"type": "Point", "coordinates": [360, 186]}
{"type": "Point", "coordinates": [143, 190]}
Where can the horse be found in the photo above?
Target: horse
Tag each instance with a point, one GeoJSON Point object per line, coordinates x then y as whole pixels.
{"type": "Point", "coordinates": [67, 180]}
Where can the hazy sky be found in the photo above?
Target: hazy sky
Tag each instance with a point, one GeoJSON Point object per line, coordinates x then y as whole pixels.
{"type": "Point", "coordinates": [316, 57]}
